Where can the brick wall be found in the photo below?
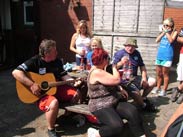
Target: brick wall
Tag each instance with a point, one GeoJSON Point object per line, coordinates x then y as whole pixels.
{"type": "Point", "coordinates": [58, 21]}
{"type": "Point", "coordinates": [84, 11]}
{"type": "Point", "coordinates": [176, 14]}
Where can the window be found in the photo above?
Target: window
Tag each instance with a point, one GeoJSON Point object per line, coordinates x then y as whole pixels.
{"type": "Point", "coordinates": [174, 3]}
{"type": "Point", "coordinates": [28, 13]}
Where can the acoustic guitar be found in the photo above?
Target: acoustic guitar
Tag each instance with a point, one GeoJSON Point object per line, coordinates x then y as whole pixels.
{"type": "Point", "coordinates": [47, 82]}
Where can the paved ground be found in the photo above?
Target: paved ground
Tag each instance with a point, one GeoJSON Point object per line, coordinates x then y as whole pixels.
{"type": "Point", "coordinates": [18, 119]}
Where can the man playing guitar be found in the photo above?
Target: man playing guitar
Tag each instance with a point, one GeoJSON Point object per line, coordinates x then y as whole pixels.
{"type": "Point", "coordinates": [47, 62]}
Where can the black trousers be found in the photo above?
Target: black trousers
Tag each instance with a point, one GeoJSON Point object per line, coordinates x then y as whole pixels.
{"type": "Point", "coordinates": [111, 120]}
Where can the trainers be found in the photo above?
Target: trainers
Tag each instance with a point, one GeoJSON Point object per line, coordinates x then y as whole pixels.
{"type": "Point", "coordinates": [92, 132]}
{"type": "Point", "coordinates": [147, 101]}
{"type": "Point", "coordinates": [155, 90]}
{"type": "Point", "coordinates": [162, 93]}
{"type": "Point", "coordinates": [180, 99]}
{"type": "Point", "coordinates": [175, 94]}
{"type": "Point", "coordinates": [52, 133]}
{"type": "Point", "coordinates": [150, 107]}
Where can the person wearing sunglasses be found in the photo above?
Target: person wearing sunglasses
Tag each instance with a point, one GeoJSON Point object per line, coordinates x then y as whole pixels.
{"type": "Point", "coordinates": [165, 55]}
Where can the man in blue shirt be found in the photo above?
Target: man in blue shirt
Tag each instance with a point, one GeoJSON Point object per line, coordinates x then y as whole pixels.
{"type": "Point", "coordinates": [129, 59]}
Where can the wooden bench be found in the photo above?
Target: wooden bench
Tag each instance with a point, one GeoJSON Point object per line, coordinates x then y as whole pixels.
{"type": "Point", "coordinates": [81, 109]}
{"type": "Point", "coordinates": [77, 108]}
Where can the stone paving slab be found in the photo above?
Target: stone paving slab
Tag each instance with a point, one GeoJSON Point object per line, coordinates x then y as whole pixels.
{"type": "Point", "coordinates": [25, 120]}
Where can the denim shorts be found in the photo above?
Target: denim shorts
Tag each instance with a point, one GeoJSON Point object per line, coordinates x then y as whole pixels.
{"type": "Point", "coordinates": [133, 86]}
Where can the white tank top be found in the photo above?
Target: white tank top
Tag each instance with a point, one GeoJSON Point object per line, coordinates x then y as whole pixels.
{"type": "Point", "coordinates": [82, 44]}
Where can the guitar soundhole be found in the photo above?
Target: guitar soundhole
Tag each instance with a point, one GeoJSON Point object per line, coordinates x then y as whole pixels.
{"type": "Point", "coordinates": [44, 85]}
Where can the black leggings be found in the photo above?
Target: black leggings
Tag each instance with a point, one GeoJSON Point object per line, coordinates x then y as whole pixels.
{"type": "Point", "coordinates": [111, 120]}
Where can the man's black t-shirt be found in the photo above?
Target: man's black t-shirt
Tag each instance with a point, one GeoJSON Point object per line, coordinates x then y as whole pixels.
{"type": "Point", "coordinates": [37, 65]}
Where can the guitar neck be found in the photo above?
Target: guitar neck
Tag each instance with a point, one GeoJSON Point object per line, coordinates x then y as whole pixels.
{"type": "Point", "coordinates": [59, 83]}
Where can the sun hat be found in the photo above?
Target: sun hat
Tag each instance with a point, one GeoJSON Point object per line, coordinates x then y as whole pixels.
{"type": "Point", "coordinates": [132, 42]}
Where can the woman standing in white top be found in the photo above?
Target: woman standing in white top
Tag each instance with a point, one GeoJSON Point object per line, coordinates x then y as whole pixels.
{"type": "Point", "coordinates": [80, 42]}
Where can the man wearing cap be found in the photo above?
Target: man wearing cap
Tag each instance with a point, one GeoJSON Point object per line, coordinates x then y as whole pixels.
{"type": "Point", "coordinates": [129, 59]}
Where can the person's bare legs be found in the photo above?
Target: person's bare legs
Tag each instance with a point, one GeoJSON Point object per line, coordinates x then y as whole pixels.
{"type": "Point", "coordinates": [166, 77]}
{"type": "Point", "coordinates": [51, 115]}
{"type": "Point", "coordinates": [159, 74]}
{"type": "Point", "coordinates": [151, 85]}
{"type": "Point", "coordinates": [180, 86]}
{"type": "Point", "coordinates": [139, 100]}
{"type": "Point", "coordinates": [147, 91]}
{"type": "Point", "coordinates": [136, 95]}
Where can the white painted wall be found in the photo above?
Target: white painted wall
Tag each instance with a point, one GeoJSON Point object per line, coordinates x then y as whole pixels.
{"type": "Point", "coordinates": [115, 20]}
